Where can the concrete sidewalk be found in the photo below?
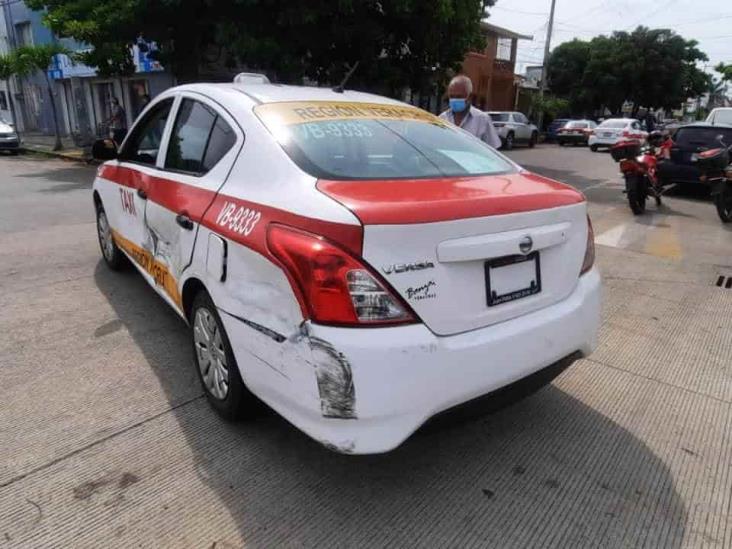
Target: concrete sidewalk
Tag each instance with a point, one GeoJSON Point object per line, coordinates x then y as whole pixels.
{"type": "Point", "coordinates": [40, 143]}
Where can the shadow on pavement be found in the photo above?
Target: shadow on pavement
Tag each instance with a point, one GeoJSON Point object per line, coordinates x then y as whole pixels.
{"type": "Point", "coordinates": [547, 471]}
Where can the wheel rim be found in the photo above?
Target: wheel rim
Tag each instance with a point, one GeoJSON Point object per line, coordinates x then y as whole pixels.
{"type": "Point", "coordinates": [210, 354]}
{"type": "Point", "coordinates": [105, 236]}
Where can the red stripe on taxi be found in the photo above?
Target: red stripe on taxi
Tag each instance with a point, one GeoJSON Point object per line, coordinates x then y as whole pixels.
{"type": "Point", "coordinates": [405, 201]}
{"type": "Point", "coordinates": [231, 217]}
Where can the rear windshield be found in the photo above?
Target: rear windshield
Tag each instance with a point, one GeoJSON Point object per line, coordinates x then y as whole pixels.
{"type": "Point", "coordinates": [332, 140]}
{"type": "Point", "coordinates": [576, 125]}
{"type": "Point", "coordinates": [499, 116]}
{"type": "Point", "coordinates": [614, 124]}
{"type": "Point", "coordinates": [702, 137]}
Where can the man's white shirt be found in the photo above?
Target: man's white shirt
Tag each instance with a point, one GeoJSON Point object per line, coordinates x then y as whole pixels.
{"type": "Point", "coordinates": [477, 123]}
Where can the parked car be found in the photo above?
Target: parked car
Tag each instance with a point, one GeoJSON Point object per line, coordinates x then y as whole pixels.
{"type": "Point", "coordinates": [9, 140]}
{"type": "Point", "coordinates": [514, 127]}
{"type": "Point", "coordinates": [720, 116]}
{"type": "Point", "coordinates": [688, 142]}
{"type": "Point", "coordinates": [358, 264]}
{"type": "Point", "coordinates": [553, 128]}
{"type": "Point", "coordinates": [575, 132]}
{"type": "Point", "coordinates": [612, 130]}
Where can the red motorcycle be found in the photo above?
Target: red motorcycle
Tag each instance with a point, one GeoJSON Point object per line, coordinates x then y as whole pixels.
{"type": "Point", "coordinates": [638, 164]}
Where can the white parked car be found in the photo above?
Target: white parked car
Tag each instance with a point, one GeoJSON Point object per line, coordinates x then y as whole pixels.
{"type": "Point", "coordinates": [9, 140]}
{"type": "Point", "coordinates": [513, 128]}
{"type": "Point", "coordinates": [356, 263]}
{"type": "Point", "coordinates": [612, 130]}
{"type": "Point", "coordinates": [720, 116]}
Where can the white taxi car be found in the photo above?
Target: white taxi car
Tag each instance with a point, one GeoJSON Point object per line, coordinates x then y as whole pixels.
{"type": "Point", "coordinates": [614, 130]}
{"type": "Point", "coordinates": [356, 263]}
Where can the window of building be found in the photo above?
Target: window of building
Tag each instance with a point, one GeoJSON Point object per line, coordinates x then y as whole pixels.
{"type": "Point", "coordinates": [503, 49]}
{"type": "Point", "coordinates": [24, 34]}
{"type": "Point", "coordinates": [3, 101]}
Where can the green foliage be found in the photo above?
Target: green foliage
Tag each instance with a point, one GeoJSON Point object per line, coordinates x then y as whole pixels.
{"type": "Point", "coordinates": [400, 42]}
{"type": "Point", "coordinates": [28, 59]}
{"type": "Point", "coordinates": [725, 71]}
{"type": "Point", "coordinates": [7, 66]}
{"type": "Point", "coordinates": [550, 105]}
{"type": "Point", "coordinates": [650, 67]}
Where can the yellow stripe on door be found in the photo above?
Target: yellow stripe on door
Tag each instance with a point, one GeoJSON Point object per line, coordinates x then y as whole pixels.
{"type": "Point", "coordinates": [157, 270]}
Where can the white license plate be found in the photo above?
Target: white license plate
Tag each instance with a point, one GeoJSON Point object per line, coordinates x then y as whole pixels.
{"type": "Point", "coordinates": [607, 134]}
{"type": "Point", "coordinates": [512, 277]}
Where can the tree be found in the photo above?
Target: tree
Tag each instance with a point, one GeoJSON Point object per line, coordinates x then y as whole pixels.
{"type": "Point", "coordinates": [649, 67]}
{"type": "Point", "coordinates": [28, 59]}
{"type": "Point", "coordinates": [725, 71]}
{"type": "Point", "coordinates": [396, 42]}
{"type": "Point", "coordinates": [717, 91]}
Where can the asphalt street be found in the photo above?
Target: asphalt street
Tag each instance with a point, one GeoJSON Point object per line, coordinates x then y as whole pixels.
{"type": "Point", "coordinates": [106, 440]}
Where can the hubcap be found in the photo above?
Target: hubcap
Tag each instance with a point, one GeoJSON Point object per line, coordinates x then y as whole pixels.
{"type": "Point", "coordinates": [210, 354]}
{"type": "Point", "coordinates": [105, 236]}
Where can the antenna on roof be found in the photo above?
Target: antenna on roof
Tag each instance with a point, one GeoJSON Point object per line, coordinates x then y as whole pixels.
{"type": "Point", "coordinates": [341, 87]}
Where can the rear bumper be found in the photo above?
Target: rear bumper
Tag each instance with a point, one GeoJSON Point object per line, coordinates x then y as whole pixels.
{"type": "Point", "coordinates": [568, 138]}
{"type": "Point", "coordinates": [603, 141]}
{"type": "Point", "coordinates": [403, 376]}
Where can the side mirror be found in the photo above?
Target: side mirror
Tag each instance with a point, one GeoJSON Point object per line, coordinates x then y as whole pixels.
{"type": "Point", "coordinates": [104, 149]}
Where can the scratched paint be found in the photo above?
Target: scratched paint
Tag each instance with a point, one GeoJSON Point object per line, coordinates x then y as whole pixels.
{"type": "Point", "coordinates": [335, 380]}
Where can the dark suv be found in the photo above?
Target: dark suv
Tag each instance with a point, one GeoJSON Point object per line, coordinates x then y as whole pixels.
{"type": "Point", "coordinates": [688, 141]}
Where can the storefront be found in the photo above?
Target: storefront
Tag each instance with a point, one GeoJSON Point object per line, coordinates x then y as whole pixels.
{"type": "Point", "coordinates": [86, 99]}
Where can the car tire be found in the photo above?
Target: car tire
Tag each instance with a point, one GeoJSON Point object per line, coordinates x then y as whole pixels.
{"type": "Point", "coordinates": [508, 142]}
{"type": "Point", "coordinates": [112, 255]}
{"type": "Point", "coordinates": [533, 140]}
{"type": "Point", "coordinates": [13, 153]}
{"type": "Point", "coordinates": [215, 363]}
{"type": "Point", "coordinates": [561, 143]}
{"type": "Point", "coordinates": [593, 148]}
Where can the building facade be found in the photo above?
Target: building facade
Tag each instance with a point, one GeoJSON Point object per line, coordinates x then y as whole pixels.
{"type": "Point", "coordinates": [83, 98]}
{"type": "Point", "coordinates": [492, 69]}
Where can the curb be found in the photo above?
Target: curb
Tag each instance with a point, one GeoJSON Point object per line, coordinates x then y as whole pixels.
{"type": "Point", "coordinates": [66, 155]}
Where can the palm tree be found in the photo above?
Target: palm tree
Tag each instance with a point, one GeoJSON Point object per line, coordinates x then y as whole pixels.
{"type": "Point", "coordinates": [29, 59]}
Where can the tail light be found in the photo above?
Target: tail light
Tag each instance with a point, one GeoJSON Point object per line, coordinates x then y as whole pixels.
{"type": "Point", "coordinates": [589, 260]}
{"type": "Point", "coordinates": [333, 286]}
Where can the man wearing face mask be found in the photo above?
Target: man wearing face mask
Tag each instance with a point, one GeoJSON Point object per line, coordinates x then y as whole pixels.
{"type": "Point", "coordinates": [465, 116]}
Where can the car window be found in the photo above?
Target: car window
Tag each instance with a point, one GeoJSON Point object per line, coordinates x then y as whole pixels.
{"type": "Point", "coordinates": [635, 126]}
{"type": "Point", "coordinates": [701, 137]}
{"type": "Point", "coordinates": [617, 124]}
{"type": "Point", "coordinates": [143, 145]}
{"type": "Point", "coordinates": [499, 116]}
{"type": "Point", "coordinates": [221, 140]}
{"type": "Point", "coordinates": [593, 125]}
{"type": "Point", "coordinates": [200, 138]}
{"type": "Point", "coordinates": [406, 144]}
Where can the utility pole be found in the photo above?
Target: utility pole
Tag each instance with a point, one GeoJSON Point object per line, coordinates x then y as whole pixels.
{"type": "Point", "coordinates": [547, 47]}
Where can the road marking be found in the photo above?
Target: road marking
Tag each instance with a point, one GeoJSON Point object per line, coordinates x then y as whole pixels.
{"type": "Point", "coordinates": [656, 238]}
{"type": "Point", "coordinates": [612, 237]}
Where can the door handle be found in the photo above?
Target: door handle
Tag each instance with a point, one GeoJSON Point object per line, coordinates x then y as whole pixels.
{"type": "Point", "coordinates": [184, 221]}
{"type": "Point", "coordinates": [142, 194]}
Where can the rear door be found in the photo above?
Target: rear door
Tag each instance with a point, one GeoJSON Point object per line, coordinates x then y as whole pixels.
{"type": "Point", "coordinates": [523, 131]}
{"type": "Point", "coordinates": [200, 149]}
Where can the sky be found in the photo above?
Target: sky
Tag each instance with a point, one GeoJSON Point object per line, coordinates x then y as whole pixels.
{"type": "Point", "coordinates": [707, 21]}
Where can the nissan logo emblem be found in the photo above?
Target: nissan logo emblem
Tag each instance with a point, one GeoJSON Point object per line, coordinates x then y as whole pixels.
{"type": "Point", "coordinates": [526, 244]}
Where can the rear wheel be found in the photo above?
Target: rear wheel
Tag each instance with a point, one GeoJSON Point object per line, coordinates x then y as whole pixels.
{"type": "Point", "coordinates": [635, 188]}
{"type": "Point", "coordinates": [534, 140]}
{"type": "Point", "coordinates": [723, 202]}
{"type": "Point", "coordinates": [215, 363]}
{"type": "Point", "coordinates": [561, 143]}
{"type": "Point", "coordinates": [593, 148]}
{"type": "Point", "coordinates": [113, 256]}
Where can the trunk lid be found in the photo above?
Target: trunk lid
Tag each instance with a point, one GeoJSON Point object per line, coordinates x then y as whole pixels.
{"type": "Point", "coordinates": [436, 242]}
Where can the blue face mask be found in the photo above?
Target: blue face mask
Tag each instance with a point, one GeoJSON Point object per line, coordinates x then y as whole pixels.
{"type": "Point", "coordinates": [458, 105]}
